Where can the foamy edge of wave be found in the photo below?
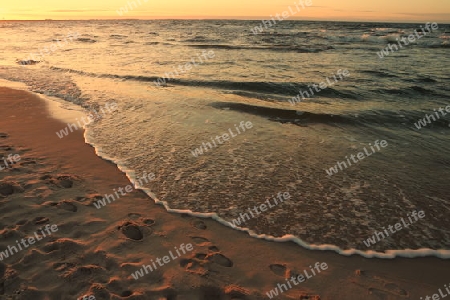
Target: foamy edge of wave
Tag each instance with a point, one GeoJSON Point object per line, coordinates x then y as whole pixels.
{"type": "Point", "coordinates": [389, 254]}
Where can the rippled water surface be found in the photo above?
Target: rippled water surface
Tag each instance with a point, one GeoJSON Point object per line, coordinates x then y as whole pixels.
{"type": "Point", "coordinates": [251, 78]}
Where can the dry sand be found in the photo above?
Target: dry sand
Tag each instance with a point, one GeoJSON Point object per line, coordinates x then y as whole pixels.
{"type": "Point", "coordinates": [95, 251]}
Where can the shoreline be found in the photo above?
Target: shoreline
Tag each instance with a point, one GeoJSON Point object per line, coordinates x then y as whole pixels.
{"type": "Point", "coordinates": [132, 230]}
{"type": "Point", "coordinates": [387, 254]}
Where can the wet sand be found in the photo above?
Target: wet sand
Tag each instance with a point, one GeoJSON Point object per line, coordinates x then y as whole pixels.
{"type": "Point", "coordinates": [95, 251]}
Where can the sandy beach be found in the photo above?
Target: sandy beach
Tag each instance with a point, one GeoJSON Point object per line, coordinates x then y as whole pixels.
{"type": "Point", "coordinates": [94, 252]}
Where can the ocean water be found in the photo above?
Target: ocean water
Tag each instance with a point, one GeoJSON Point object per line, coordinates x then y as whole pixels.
{"type": "Point", "coordinates": [251, 78]}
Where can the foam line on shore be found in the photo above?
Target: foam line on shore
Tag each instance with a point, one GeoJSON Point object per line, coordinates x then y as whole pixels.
{"type": "Point", "coordinates": [388, 254]}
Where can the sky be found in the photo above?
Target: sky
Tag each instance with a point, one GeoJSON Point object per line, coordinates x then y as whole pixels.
{"type": "Point", "coordinates": [341, 10]}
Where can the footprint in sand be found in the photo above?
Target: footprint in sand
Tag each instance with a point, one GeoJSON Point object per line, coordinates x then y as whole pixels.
{"type": "Point", "coordinates": [200, 256]}
{"type": "Point", "coordinates": [67, 205]}
{"type": "Point", "coordinates": [199, 224]}
{"type": "Point", "coordinates": [134, 216]}
{"type": "Point", "coordinates": [194, 266]}
{"type": "Point", "coordinates": [87, 272]}
{"type": "Point", "coordinates": [204, 258]}
{"type": "Point", "coordinates": [65, 181]}
{"type": "Point", "coordinates": [22, 222]}
{"type": "Point", "coordinates": [8, 188]}
{"type": "Point", "coordinates": [213, 249]}
{"type": "Point", "coordinates": [220, 259]}
{"type": "Point", "coordinates": [279, 270]}
{"type": "Point", "coordinates": [377, 285]}
{"type": "Point", "coordinates": [149, 222]}
{"type": "Point", "coordinates": [89, 199]}
{"type": "Point", "coordinates": [61, 181]}
{"type": "Point", "coordinates": [131, 231]}
{"type": "Point", "coordinates": [200, 262]}
{"type": "Point", "coordinates": [64, 246]}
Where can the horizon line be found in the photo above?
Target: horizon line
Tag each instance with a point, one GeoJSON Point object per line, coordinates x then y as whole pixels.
{"type": "Point", "coordinates": [231, 18]}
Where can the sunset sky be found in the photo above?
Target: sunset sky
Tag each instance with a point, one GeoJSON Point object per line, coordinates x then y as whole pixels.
{"type": "Point", "coordinates": [347, 10]}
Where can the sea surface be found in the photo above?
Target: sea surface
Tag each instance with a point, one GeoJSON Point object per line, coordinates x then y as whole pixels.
{"type": "Point", "coordinates": [251, 78]}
